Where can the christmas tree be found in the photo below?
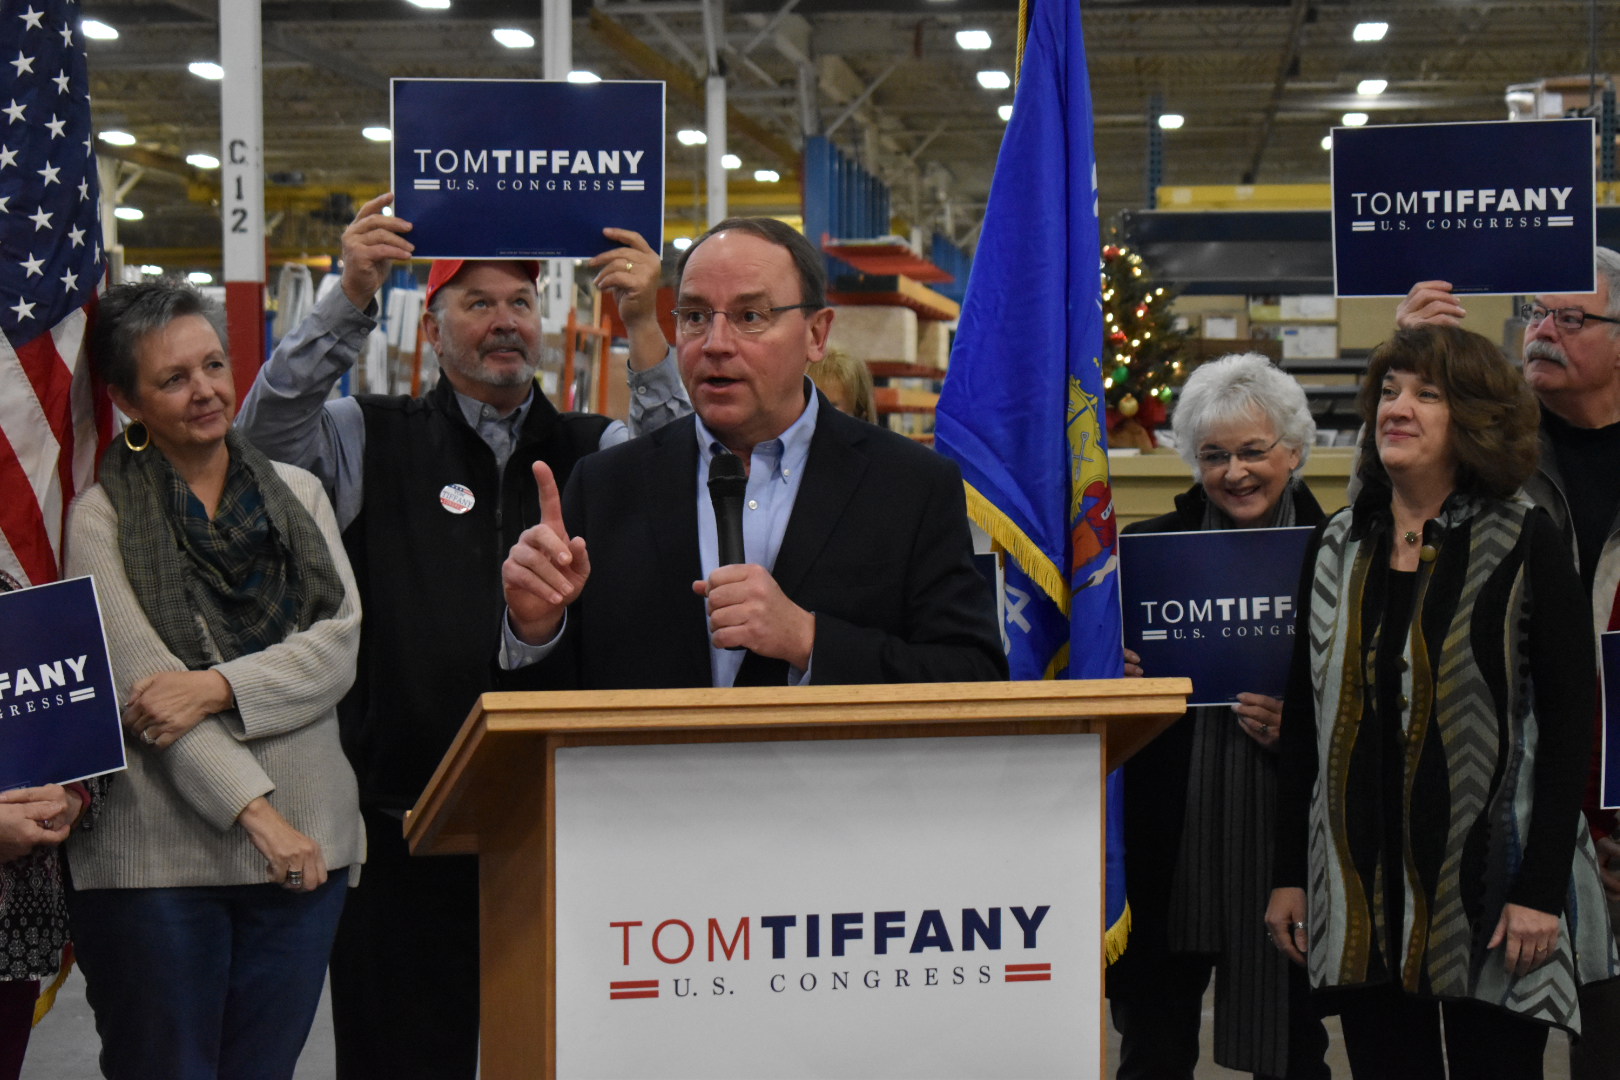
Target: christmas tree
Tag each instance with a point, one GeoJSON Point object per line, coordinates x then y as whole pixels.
{"type": "Point", "coordinates": [1142, 363]}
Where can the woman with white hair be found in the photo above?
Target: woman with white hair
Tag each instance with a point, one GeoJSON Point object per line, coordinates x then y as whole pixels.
{"type": "Point", "coordinates": [1199, 799]}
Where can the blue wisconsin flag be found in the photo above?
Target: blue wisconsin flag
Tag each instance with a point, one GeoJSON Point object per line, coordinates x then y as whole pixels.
{"type": "Point", "coordinates": [1022, 408]}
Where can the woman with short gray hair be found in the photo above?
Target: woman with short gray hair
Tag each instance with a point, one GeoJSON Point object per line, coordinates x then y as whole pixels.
{"type": "Point", "coordinates": [1199, 799]}
{"type": "Point", "coordinates": [1244, 391]}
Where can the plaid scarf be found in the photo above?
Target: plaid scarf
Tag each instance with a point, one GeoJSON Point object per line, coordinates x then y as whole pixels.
{"type": "Point", "coordinates": [218, 589]}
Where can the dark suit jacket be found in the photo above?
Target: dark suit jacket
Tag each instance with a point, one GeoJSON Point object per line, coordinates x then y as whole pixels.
{"type": "Point", "coordinates": [877, 547]}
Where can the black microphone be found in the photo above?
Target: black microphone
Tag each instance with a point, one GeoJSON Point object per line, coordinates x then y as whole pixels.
{"type": "Point", "coordinates": [728, 483]}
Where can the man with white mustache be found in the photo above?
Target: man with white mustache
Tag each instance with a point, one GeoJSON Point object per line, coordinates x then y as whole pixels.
{"type": "Point", "coordinates": [1572, 363]}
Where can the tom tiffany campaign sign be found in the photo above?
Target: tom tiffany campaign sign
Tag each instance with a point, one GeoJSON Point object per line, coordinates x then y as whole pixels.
{"type": "Point", "coordinates": [58, 709]}
{"type": "Point", "coordinates": [1505, 208]}
{"type": "Point", "coordinates": [526, 168]}
{"type": "Point", "coordinates": [1217, 607]}
{"type": "Point", "coordinates": [870, 907]}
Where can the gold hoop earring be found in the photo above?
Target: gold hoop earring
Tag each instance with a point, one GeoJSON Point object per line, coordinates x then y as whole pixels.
{"type": "Point", "coordinates": [147, 442]}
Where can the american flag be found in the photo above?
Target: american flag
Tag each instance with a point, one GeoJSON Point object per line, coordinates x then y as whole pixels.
{"type": "Point", "coordinates": [53, 421]}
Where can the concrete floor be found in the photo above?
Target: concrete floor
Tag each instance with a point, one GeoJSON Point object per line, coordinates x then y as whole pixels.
{"type": "Point", "coordinates": [64, 1045]}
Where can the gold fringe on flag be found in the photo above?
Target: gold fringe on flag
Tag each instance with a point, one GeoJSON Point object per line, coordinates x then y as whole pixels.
{"type": "Point", "coordinates": [1031, 559]}
{"type": "Point", "coordinates": [47, 995]}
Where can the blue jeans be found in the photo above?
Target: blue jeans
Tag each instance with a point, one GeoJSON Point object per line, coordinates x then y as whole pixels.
{"type": "Point", "coordinates": [204, 983]}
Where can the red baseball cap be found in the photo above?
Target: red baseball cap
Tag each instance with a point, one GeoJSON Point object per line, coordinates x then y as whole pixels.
{"type": "Point", "coordinates": [443, 270]}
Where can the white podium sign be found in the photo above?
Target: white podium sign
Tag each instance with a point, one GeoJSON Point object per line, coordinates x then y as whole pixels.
{"type": "Point", "coordinates": [864, 908]}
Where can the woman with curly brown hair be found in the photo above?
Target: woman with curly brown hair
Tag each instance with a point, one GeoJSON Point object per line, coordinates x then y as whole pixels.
{"type": "Point", "coordinates": [1432, 858]}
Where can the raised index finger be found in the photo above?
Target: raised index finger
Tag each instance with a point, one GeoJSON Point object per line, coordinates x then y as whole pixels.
{"type": "Point", "coordinates": [551, 514]}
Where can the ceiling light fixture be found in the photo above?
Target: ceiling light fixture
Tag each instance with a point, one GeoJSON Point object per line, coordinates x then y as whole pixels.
{"type": "Point", "coordinates": [973, 40]}
{"type": "Point", "coordinates": [432, 5]}
{"type": "Point", "coordinates": [202, 161]}
{"type": "Point", "coordinates": [730, 161]}
{"type": "Point", "coordinates": [1370, 31]}
{"type": "Point", "coordinates": [1005, 112]}
{"type": "Point", "coordinates": [1355, 119]}
{"type": "Point", "coordinates": [1171, 121]}
{"type": "Point", "coordinates": [127, 213]}
{"type": "Point", "coordinates": [200, 277]}
{"type": "Point", "coordinates": [1371, 87]}
{"type": "Point", "coordinates": [377, 133]}
{"type": "Point", "coordinates": [118, 138]}
{"type": "Point", "coordinates": [1327, 142]}
{"type": "Point", "coordinates": [96, 30]}
{"type": "Point", "coordinates": [681, 243]}
{"type": "Point", "coordinates": [151, 269]}
{"type": "Point", "coordinates": [512, 37]}
{"type": "Point", "coordinates": [994, 80]}
{"type": "Point", "coordinates": [767, 176]}
{"type": "Point", "coordinates": [584, 77]}
{"type": "Point", "coordinates": [206, 69]}
{"type": "Point", "coordinates": [691, 137]}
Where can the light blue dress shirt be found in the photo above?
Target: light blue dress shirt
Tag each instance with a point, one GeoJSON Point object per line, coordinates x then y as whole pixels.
{"type": "Point", "coordinates": [775, 469]}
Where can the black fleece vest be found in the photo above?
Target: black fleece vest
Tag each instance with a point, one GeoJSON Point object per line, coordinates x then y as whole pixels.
{"type": "Point", "coordinates": [430, 578]}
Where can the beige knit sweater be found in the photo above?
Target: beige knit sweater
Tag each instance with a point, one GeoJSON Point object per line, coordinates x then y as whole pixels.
{"type": "Point", "coordinates": [170, 819]}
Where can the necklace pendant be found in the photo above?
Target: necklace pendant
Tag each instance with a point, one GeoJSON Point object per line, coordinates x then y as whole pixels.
{"type": "Point", "coordinates": [1409, 536]}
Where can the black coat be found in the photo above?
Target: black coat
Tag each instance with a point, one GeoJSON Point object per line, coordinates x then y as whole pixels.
{"type": "Point", "coordinates": [877, 547]}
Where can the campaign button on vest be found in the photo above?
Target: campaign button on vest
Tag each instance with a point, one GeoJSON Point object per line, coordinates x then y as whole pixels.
{"type": "Point", "coordinates": [456, 498]}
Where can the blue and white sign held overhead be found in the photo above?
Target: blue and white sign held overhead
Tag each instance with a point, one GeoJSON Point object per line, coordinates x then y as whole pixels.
{"type": "Point", "coordinates": [1609, 644]}
{"type": "Point", "coordinates": [1504, 208]}
{"type": "Point", "coordinates": [526, 168]}
{"type": "Point", "coordinates": [58, 708]}
{"type": "Point", "coordinates": [1216, 607]}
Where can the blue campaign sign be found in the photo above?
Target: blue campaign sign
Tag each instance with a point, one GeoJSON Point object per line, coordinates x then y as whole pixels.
{"type": "Point", "coordinates": [58, 709]}
{"type": "Point", "coordinates": [526, 168]}
{"type": "Point", "coordinates": [1610, 646]}
{"type": "Point", "coordinates": [1506, 207]}
{"type": "Point", "coordinates": [1217, 607]}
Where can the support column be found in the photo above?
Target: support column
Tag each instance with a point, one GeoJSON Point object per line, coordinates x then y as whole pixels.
{"type": "Point", "coordinates": [557, 58]}
{"type": "Point", "coordinates": [242, 178]}
{"type": "Point", "coordinates": [715, 125]}
{"type": "Point", "coordinates": [714, 113]}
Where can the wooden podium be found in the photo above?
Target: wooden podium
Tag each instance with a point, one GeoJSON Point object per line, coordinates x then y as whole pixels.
{"type": "Point", "coordinates": [493, 794]}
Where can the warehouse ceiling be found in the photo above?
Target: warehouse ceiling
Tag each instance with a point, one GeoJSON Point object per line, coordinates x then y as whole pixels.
{"type": "Point", "coordinates": [1260, 85]}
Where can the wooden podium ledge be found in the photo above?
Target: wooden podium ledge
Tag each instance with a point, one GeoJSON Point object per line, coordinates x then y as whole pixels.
{"type": "Point", "coordinates": [503, 745]}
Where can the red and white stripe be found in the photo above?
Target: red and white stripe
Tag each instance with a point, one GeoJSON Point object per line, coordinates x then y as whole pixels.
{"type": "Point", "coordinates": [1028, 973]}
{"type": "Point", "coordinates": [53, 422]}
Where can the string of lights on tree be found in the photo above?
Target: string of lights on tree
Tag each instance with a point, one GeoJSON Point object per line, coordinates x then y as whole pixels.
{"type": "Point", "coordinates": [1142, 364]}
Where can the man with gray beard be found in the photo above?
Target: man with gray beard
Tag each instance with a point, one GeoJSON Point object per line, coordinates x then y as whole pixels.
{"type": "Point", "coordinates": [1572, 362]}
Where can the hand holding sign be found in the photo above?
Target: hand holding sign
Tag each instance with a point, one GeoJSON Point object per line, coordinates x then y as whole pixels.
{"type": "Point", "coordinates": [35, 817]}
{"type": "Point", "coordinates": [371, 243]}
{"type": "Point", "coordinates": [1260, 717]}
{"type": "Point", "coordinates": [1430, 303]}
{"type": "Point", "coordinates": [632, 271]}
{"type": "Point", "coordinates": [545, 570]}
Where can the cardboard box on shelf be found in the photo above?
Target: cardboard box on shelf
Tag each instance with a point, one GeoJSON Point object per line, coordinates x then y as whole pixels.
{"type": "Point", "coordinates": [878, 333]}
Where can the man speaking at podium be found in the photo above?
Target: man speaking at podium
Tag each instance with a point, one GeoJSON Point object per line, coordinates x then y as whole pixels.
{"type": "Point", "coordinates": [857, 562]}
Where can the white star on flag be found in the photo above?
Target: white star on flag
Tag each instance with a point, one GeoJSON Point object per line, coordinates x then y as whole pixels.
{"type": "Point", "coordinates": [54, 420]}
